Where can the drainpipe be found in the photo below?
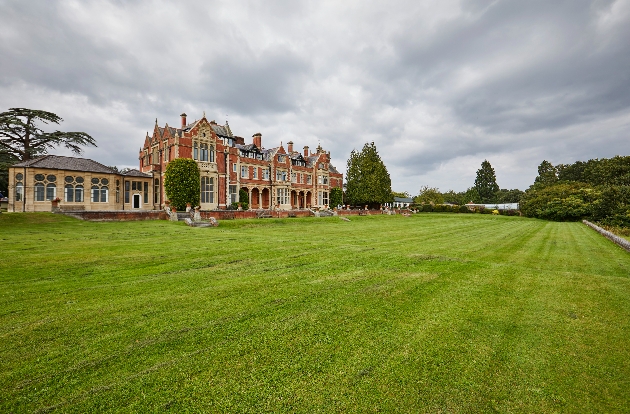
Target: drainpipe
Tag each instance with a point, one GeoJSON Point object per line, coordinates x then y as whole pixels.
{"type": "Point", "coordinates": [24, 193]}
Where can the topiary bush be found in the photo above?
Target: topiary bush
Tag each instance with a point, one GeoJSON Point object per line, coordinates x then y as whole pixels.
{"type": "Point", "coordinates": [336, 197]}
{"type": "Point", "coordinates": [182, 183]}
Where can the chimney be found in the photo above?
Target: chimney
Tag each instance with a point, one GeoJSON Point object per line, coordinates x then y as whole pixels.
{"type": "Point", "coordinates": [306, 151]}
{"type": "Point", "coordinates": [183, 115]}
{"type": "Point", "coordinates": [290, 146]}
{"type": "Point", "coordinates": [257, 139]}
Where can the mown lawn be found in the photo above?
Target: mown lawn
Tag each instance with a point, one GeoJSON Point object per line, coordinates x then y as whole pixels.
{"type": "Point", "coordinates": [433, 313]}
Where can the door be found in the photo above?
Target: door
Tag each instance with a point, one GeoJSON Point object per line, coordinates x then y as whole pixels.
{"type": "Point", "coordinates": [136, 201]}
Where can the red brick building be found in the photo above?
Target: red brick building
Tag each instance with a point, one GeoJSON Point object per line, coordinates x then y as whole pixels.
{"type": "Point", "coordinates": [274, 178]}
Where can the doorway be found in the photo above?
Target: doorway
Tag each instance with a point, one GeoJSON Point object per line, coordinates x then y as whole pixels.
{"type": "Point", "coordinates": [136, 201]}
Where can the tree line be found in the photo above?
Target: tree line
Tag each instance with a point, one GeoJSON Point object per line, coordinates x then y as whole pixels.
{"type": "Point", "coordinates": [597, 190]}
{"type": "Point", "coordinates": [484, 191]}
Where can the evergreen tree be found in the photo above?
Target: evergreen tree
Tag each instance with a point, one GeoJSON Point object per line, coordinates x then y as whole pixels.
{"type": "Point", "coordinates": [367, 179]}
{"type": "Point", "coordinates": [486, 183]}
{"type": "Point", "coordinates": [182, 183]}
{"type": "Point", "coordinates": [22, 139]}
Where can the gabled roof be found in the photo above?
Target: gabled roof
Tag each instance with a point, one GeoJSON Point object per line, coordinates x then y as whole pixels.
{"type": "Point", "coordinates": [58, 162]}
{"type": "Point", "coordinates": [221, 131]}
{"type": "Point", "coordinates": [332, 169]}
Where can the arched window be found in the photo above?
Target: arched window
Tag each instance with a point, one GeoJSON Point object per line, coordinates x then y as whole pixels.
{"type": "Point", "coordinates": [95, 194]}
{"type": "Point", "coordinates": [78, 194]}
{"type": "Point", "coordinates": [195, 151]}
{"type": "Point", "coordinates": [104, 193]}
{"type": "Point", "coordinates": [69, 193]}
{"type": "Point", "coordinates": [19, 192]}
{"type": "Point", "coordinates": [39, 192]}
{"type": "Point", "coordinates": [211, 153]}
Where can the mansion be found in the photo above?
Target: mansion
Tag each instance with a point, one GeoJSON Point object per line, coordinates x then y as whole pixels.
{"type": "Point", "coordinates": [274, 178]}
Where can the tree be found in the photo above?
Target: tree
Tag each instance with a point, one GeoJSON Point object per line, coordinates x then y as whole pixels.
{"type": "Point", "coordinates": [181, 182]}
{"type": "Point", "coordinates": [404, 194]}
{"type": "Point", "coordinates": [429, 195]}
{"type": "Point", "coordinates": [336, 197]}
{"type": "Point", "coordinates": [547, 174]}
{"type": "Point", "coordinates": [21, 138]}
{"type": "Point", "coordinates": [486, 183]}
{"type": "Point", "coordinates": [368, 181]}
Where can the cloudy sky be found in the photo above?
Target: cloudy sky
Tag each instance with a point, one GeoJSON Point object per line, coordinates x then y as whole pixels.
{"type": "Point", "coordinates": [439, 86]}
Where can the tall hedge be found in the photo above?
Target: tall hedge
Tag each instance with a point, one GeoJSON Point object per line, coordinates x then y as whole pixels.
{"type": "Point", "coordinates": [336, 197]}
{"type": "Point", "coordinates": [182, 183]}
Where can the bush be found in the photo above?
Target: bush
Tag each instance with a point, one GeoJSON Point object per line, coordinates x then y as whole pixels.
{"type": "Point", "coordinates": [427, 208]}
{"type": "Point", "coordinates": [463, 209]}
{"type": "Point", "coordinates": [182, 183]}
{"type": "Point", "coordinates": [560, 202]}
{"type": "Point", "coordinates": [336, 197]}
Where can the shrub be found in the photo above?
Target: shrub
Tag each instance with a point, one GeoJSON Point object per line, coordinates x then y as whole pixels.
{"type": "Point", "coordinates": [559, 202]}
{"type": "Point", "coordinates": [336, 197]}
{"type": "Point", "coordinates": [182, 183]}
{"type": "Point", "coordinates": [463, 209]}
{"type": "Point", "coordinates": [243, 197]}
{"type": "Point", "coordinates": [427, 208]}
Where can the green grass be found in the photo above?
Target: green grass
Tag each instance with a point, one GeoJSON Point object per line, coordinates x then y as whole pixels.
{"type": "Point", "coordinates": [433, 313]}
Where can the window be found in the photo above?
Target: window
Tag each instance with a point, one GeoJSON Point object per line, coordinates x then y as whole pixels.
{"type": "Point", "coordinates": [146, 192]}
{"type": "Point", "coordinates": [244, 171]}
{"type": "Point", "coordinates": [255, 172]}
{"type": "Point", "coordinates": [325, 179]}
{"type": "Point", "coordinates": [195, 151]}
{"type": "Point", "coordinates": [211, 153]}
{"type": "Point", "coordinates": [280, 158]}
{"type": "Point", "coordinates": [233, 194]}
{"type": "Point", "coordinates": [156, 191]}
{"type": "Point", "coordinates": [127, 186]}
{"type": "Point", "coordinates": [69, 193]}
{"type": "Point", "coordinates": [282, 196]}
{"type": "Point", "coordinates": [39, 192]}
{"type": "Point", "coordinates": [281, 175]}
{"type": "Point", "coordinates": [309, 179]}
{"type": "Point", "coordinates": [234, 167]}
{"type": "Point", "coordinates": [319, 179]}
{"type": "Point", "coordinates": [266, 174]}
{"type": "Point", "coordinates": [165, 153]}
{"type": "Point", "coordinates": [204, 152]}
{"type": "Point", "coordinates": [78, 194]}
{"type": "Point", "coordinates": [207, 190]}
{"type": "Point", "coordinates": [100, 190]}
{"type": "Point", "coordinates": [322, 197]}
{"type": "Point", "coordinates": [19, 192]}
{"type": "Point", "coordinates": [293, 177]}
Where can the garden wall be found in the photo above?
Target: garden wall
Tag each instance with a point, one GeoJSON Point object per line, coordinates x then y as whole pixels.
{"type": "Point", "coordinates": [611, 236]}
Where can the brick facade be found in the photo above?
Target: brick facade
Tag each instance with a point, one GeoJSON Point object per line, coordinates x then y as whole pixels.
{"type": "Point", "coordinates": [275, 178]}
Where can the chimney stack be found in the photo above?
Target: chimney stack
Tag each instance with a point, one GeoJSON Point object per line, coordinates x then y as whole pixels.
{"type": "Point", "coordinates": [306, 151]}
{"type": "Point", "coordinates": [290, 146]}
{"type": "Point", "coordinates": [183, 115]}
{"type": "Point", "coordinates": [257, 139]}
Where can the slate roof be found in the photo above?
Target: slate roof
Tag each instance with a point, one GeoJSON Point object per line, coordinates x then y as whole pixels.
{"type": "Point", "coordinates": [58, 162]}
{"type": "Point", "coordinates": [403, 200]}
{"type": "Point", "coordinates": [136, 173]}
{"type": "Point", "coordinates": [332, 169]}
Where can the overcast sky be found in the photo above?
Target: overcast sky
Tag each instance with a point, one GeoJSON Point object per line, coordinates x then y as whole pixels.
{"type": "Point", "coordinates": [439, 86]}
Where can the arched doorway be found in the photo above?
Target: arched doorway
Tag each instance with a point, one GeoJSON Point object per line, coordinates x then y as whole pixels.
{"type": "Point", "coordinates": [309, 202]}
{"type": "Point", "coordinates": [254, 201]}
{"type": "Point", "coordinates": [265, 198]}
{"type": "Point", "coordinates": [295, 203]}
